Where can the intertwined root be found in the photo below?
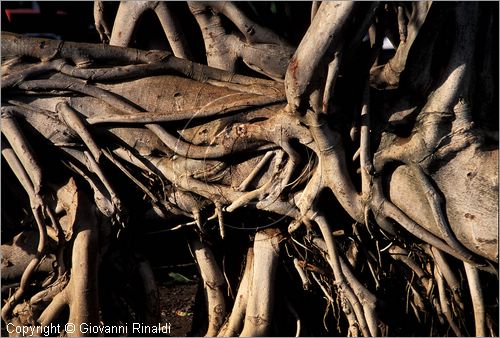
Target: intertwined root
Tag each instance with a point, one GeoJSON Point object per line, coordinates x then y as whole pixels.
{"type": "Point", "coordinates": [238, 148]}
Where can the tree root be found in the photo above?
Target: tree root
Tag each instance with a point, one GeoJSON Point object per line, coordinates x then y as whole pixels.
{"type": "Point", "coordinates": [476, 294]}
{"type": "Point", "coordinates": [449, 276]}
{"type": "Point", "coordinates": [213, 281]}
{"type": "Point", "coordinates": [260, 304]}
{"type": "Point", "coordinates": [234, 323]}
{"type": "Point", "coordinates": [363, 296]}
{"type": "Point", "coordinates": [194, 175]}
{"type": "Point", "coordinates": [443, 300]}
{"type": "Point", "coordinates": [343, 286]}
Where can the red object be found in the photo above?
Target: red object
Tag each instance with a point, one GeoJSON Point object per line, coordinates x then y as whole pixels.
{"type": "Point", "coordinates": [14, 11]}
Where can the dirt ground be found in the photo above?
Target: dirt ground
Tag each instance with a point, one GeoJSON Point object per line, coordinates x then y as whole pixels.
{"type": "Point", "coordinates": [177, 307]}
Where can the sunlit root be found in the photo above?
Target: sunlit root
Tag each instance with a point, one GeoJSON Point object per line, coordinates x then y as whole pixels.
{"type": "Point", "coordinates": [260, 305]}
{"type": "Point", "coordinates": [476, 294]}
{"type": "Point", "coordinates": [367, 300]}
{"type": "Point", "coordinates": [17, 254]}
{"type": "Point", "coordinates": [193, 139]}
{"type": "Point", "coordinates": [344, 288]}
{"type": "Point", "coordinates": [81, 292]}
{"type": "Point", "coordinates": [213, 282]}
{"type": "Point", "coordinates": [234, 324]}
{"type": "Point", "coordinates": [444, 301]}
{"type": "Point", "coordinates": [262, 50]}
{"type": "Point", "coordinates": [449, 276]}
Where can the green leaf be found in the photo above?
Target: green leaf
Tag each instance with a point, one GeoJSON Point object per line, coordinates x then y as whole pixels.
{"type": "Point", "coordinates": [177, 277]}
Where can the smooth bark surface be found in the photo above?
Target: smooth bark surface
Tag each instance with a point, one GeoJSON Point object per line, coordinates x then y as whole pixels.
{"type": "Point", "coordinates": [366, 183]}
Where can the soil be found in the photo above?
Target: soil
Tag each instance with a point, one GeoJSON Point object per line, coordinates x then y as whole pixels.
{"type": "Point", "coordinates": [177, 307]}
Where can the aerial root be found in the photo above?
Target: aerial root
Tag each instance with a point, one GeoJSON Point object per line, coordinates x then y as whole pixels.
{"type": "Point", "coordinates": [373, 195]}
{"type": "Point", "coordinates": [81, 292]}
{"type": "Point", "coordinates": [255, 171]}
{"type": "Point", "coordinates": [234, 323]}
{"type": "Point", "coordinates": [444, 302]}
{"type": "Point", "coordinates": [367, 300]}
{"type": "Point", "coordinates": [303, 277]}
{"type": "Point", "coordinates": [23, 150]}
{"type": "Point", "coordinates": [437, 206]}
{"type": "Point", "coordinates": [261, 192]}
{"type": "Point", "coordinates": [344, 288]}
{"type": "Point", "coordinates": [223, 106]}
{"type": "Point", "coordinates": [37, 206]}
{"type": "Point", "coordinates": [15, 46]}
{"type": "Point", "coordinates": [54, 289]}
{"type": "Point", "coordinates": [152, 297]}
{"type": "Point", "coordinates": [96, 169]}
{"type": "Point", "coordinates": [385, 208]}
{"type": "Point", "coordinates": [332, 170]}
{"type": "Point", "coordinates": [294, 313]}
{"type": "Point", "coordinates": [402, 255]}
{"type": "Point", "coordinates": [260, 305]}
{"type": "Point", "coordinates": [72, 119]}
{"type": "Point", "coordinates": [476, 293]}
{"type": "Point", "coordinates": [213, 282]}
{"type": "Point", "coordinates": [449, 276]}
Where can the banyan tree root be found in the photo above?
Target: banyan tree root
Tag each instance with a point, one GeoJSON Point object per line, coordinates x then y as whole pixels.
{"type": "Point", "coordinates": [260, 48]}
{"type": "Point", "coordinates": [81, 292]}
{"type": "Point", "coordinates": [239, 148]}
{"type": "Point", "coordinates": [259, 309]}
{"type": "Point", "coordinates": [213, 282]}
{"type": "Point", "coordinates": [77, 288]}
{"type": "Point", "coordinates": [234, 323]}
